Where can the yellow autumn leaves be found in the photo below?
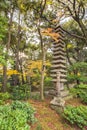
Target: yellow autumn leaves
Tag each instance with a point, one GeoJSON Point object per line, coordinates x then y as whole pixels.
{"type": "Point", "coordinates": [49, 32]}
{"type": "Point", "coordinates": [35, 65]}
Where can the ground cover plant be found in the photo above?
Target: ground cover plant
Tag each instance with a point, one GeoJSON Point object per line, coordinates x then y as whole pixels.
{"type": "Point", "coordinates": [17, 116]}
{"type": "Point", "coordinates": [81, 92]}
{"type": "Point", "coordinates": [76, 115]}
{"type": "Point", "coordinates": [3, 97]}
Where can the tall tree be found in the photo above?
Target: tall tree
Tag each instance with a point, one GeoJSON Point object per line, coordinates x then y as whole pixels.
{"type": "Point", "coordinates": [10, 12]}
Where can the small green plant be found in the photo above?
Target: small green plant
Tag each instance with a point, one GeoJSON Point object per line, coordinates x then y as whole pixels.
{"type": "Point", "coordinates": [36, 96]}
{"type": "Point", "coordinates": [4, 97]}
{"type": "Point", "coordinates": [39, 127]}
{"type": "Point", "coordinates": [76, 115]}
{"type": "Point", "coordinates": [16, 116]}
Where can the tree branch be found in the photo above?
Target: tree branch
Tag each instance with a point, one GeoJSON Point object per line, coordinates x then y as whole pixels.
{"type": "Point", "coordinates": [74, 35]}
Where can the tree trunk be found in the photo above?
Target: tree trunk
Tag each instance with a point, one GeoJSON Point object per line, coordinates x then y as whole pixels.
{"type": "Point", "coordinates": [17, 80]}
{"type": "Point", "coordinates": [42, 72]}
{"type": "Point", "coordinates": [43, 65]}
{"type": "Point", "coordinates": [4, 84]}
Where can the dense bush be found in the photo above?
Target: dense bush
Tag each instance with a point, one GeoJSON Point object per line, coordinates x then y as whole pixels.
{"type": "Point", "coordinates": [76, 115]}
{"type": "Point", "coordinates": [77, 72]}
{"type": "Point", "coordinates": [80, 91]}
{"type": "Point", "coordinates": [20, 92]}
{"type": "Point", "coordinates": [16, 116]}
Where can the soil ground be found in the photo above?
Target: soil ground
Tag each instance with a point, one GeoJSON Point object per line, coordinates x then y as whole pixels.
{"type": "Point", "coordinates": [48, 119]}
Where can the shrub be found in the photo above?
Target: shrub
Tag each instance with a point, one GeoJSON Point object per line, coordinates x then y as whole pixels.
{"type": "Point", "coordinates": [21, 92]}
{"type": "Point", "coordinates": [77, 72]}
{"type": "Point", "coordinates": [16, 116]}
{"type": "Point", "coordinates": [81, 91]}
{"type": "Point", "coordinates": [36, 96]}
{"type": "Point", "coordinates": [76, 115]}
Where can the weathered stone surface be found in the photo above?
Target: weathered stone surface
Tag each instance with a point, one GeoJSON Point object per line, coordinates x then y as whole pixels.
{"type": "Point", "coordinates": [64, 93]}
{"type": "Point", "coordinates": [62, 80]}
{"type": "Point", "coordinates": [61, 70]}
{"type": "Point", "coordinates": [58, 101]}
{"type": "Point", "coordinates": [58, 72]}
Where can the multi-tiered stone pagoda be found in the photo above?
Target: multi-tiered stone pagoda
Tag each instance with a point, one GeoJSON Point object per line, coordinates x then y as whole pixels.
{"type": "Point", "coordinates": [58, 71]}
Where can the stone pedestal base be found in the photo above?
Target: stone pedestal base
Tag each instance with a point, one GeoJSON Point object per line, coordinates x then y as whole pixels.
{"type": "Point", "coordinates": [57, 104]}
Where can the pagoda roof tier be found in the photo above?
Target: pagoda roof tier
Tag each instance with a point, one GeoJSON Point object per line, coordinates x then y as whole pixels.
{"type": "Point", "coordinates": [59, 57]}
{"type": "Point", "coordinates": [61, 80]}
{"type": "Point", "coordinates": [59, 53]}
{"type": "Point", "coordinates": [61, 37]}
{"type": "Point", "coordinates": [59, 49]}
{"type": "Point", "coordinates": [58, 27]}
{"type": "Point", "coordinates": [58, 65]}
{"type": "Point", "coordinates": [59, 45]}
{"type": "Point", "coordinates": [54, 75]}
{"type": "Point", "coordinates": [59, 41]}
{"type": "Point", "coordinates": [60, 31]}
{"type": "Point", "coordinates": [60, 70]}
{"type": "Point", "coordinates": [59, 61]}
{"type": "Point", "coordinates": [56, 58]}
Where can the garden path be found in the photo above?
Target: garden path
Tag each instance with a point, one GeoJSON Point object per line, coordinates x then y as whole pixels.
{"type": "Point", "coordinates": [48, 119]}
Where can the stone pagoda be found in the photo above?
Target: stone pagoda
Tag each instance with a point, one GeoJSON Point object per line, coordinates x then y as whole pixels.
{"type": "Point", "coordinates": [58, 70]}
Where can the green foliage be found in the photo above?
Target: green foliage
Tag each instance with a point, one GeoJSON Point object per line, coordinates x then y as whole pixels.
{"type": "Point", "coordinates": [76, 115]}
{"type": "Point", "coordinates": [80, 91]}
{"type": "Point", "coordinates": [83, 96]}
{"type": "Point", "coordinates": [4, 97]}
{"type": "Point", "coordinates": [3, 27]}
{"type": "Point", "coordinates": [25, 107]}
{"type": "Point", "coordinates": [2, 56]}
{"type": "Point", "coordinates": [16, 116]}
{"type": "Point", "coordinates": [47, 82]}
{"type": "Point", "coordinates": [36, 96]}
{"type": "Point", "coordinates": [77, 71]}
{"type": "Point", "coordinates": [20, 92]}
{"type": "Point", "coordinates": [39, 127]}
